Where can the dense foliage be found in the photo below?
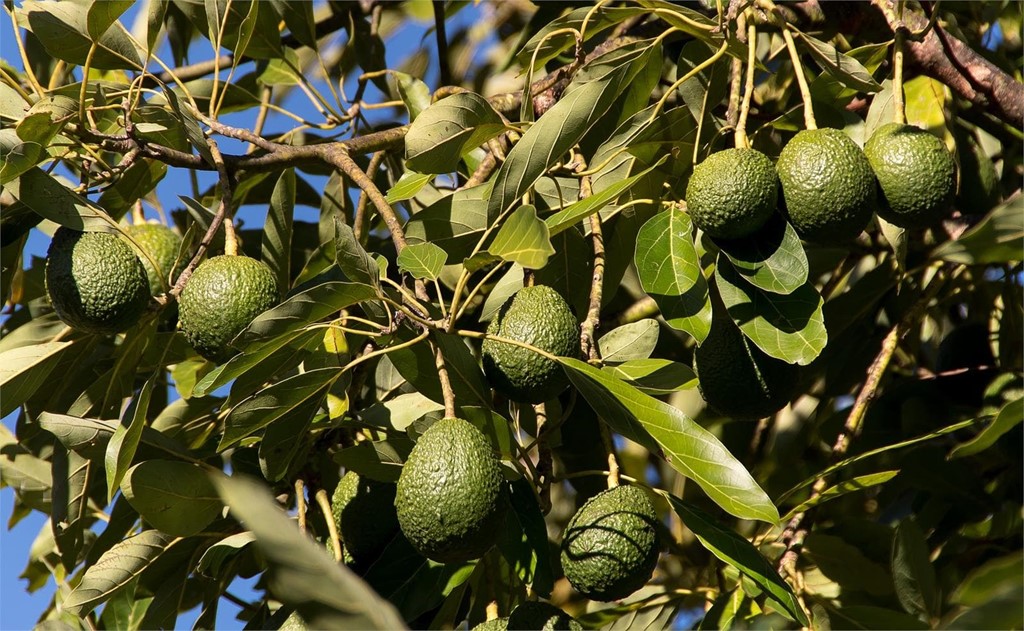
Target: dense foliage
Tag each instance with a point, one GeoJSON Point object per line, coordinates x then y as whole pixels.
{"type": "Point", "coordinates": [398, 216]}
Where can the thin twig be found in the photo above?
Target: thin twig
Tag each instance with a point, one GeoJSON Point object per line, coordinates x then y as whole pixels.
{"type": "Point", "coordinates": [300, 503]}
{"type": "Point", "coordinates": [442, 43]}
{"type": "Point", "coordinates": [590, 324]}
{"type": "Point", "coordinates": [325, 507]}
{"type": "Point", "coordinates": [359, 221]}
{"type": "Point", "coordinates": [446, 384]}
{"type": "Point", "coordinates": [544, 461]}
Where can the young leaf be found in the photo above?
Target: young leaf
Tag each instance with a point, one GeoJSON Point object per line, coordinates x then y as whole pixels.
{"type": "Point", "coordinates": [670, 272]}
{"type": "Point", "coordinates": [635, 340]}
{"type": "Point", "coordinates": [689, 448]}
{"type": "Point", "coordinates": [422, 260]}
{"type": "Point", "coordinates": [733, 549]}
{"type": "Point", "coordinates": [407, 186]}
{"type": "Point", "coordinates": [912, 571]}
{"type": "Point", "coordinates": [176, 497]}
{"type": "Point", "coordinates": [301, 574]}
{"type": "Point", "coordinates": [447, 129]}
{"type": "Point", "coordinates": [788, 327]}
{"type": "Point", "coordinates": [1010, 416]}
{"type": "Point", "coordinates": [277, 230]}
{"type": "Point", "coordinates": [122, 445]}
{"type": "Point", "coordinates": [772, 259]}
{"type": "Point", "coordinates": [523, 239]}
{"type": "Point", "coordinates": [852, 485]}
{"type": "Point", "coordinates": [118, 567]}
{"type": "Point", "coordinates": [413, 92]}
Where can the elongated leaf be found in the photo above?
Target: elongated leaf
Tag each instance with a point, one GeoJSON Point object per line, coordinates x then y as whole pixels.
{"type": "Point", "coordinates": [561, 127]}
{"type": "Point", "coordinates": [273, 402]}
{"type": "Point", "coordinates": [301, 574]}
{"type": "Point", "coordinates": [71, 477]}
{"type": "Point", "coordinates": [284, 438]}
{"type": "Point", "coordinates": [912, 571]}
{"type": "Point", "coordinates": [277, 230]}
{"type": "Point", "coordinates": [689, 448]}
{"type": "Point", "coordinates": [30, 477]}
{"type": "Point", "coordinates": [17, 155]}
{"type": "Point", "coordinates": [176, 497]}
{"type": "Point", "coordinates": [352, 258]}
{"type": "Point", "coordinates": [422, 260]}
{"type": "Point", "coordinates": [992, 579]}
{"type": "Point", "coordinates": [408, 186]}
{"type": "Point", "coordinates": [573, 213]}
{"type": "Point", "coordinates": [213, 559]}
{"type": "Point", "coordinates": [788, 327]}
{"type": "Point", "coordinates": [24, 369]}
{"type": "Point", "coordinates": [304, 308]}
{"type": "Point", "coordinates": [298, 17]}
{"type": "Point", "coordinates": [531, 520]}
{"type": "Point", "coordinates": [670, 273]}
{"type": "Point", "coordinates": [413, 92]}
{"type": "Point", "coordinates": [380, 460]}
{"type": "Point", "coordinates": [89, 436]}
{"type": "Point", "coordinates": [996, 239]}
{"type": "Point", "coordinates": [1009, 417]}
{"type": "Point", "coordinates": [454, 223]}
{"type": "Point", "coordinates": [655, 376]}
{"type": "Point", "coordinates": [281, 351]}
{"type": "Point", "coordinates": [844, 68]}
{"type": "Point", "coordinates": [852, 485]}
{"type": "Point", "coordinates": [523, 239]}
{"type": "Point", "coordinates": [847, 564]}
{"type": "Point", "coordinates": [52, 200]}
{"type": "Point", "coordinates": [773, 259]}
{"type": "Point", "coordinates": [118, 567]}
{"type": "Point", "coordinates": [417, 365]}
{"type": "Point", "coordinates": [100, 15]}
{"type": "Point", "coordinates": [547, 48]}
{"type": "Point", "coordinates": [635, 340]}
{"type": "Point", "coordinates": [739, 553]}
{"type": "Point", "coordinates": [122, 445]}
{"type": "Point", "coordinates": [447, 129]}
{"type": "Point", "coordinates": [64, 30]}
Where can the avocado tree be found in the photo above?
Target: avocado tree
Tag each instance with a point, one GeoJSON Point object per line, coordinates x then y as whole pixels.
{"type": "Point", "coordinates": [254, 253]}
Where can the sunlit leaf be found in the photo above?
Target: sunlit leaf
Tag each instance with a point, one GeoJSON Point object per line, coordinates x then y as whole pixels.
{"type": "Point", "coordinates": [772, 259]}
{"type": "Point", "coordinates": [422, 260]}
{"type": "Point", "coordinates": [635, 340]}
{"type": "Point", "coordinates": [447, 129]}
{"type": "Point", "coordinates": [523, 239]}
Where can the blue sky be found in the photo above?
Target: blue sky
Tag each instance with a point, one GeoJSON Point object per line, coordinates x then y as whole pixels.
{"type": "Point", "coordinates": [19, 609]}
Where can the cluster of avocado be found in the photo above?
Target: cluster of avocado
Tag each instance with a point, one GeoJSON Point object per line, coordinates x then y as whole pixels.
{"type": "Point", "coordinates": [102, 283]}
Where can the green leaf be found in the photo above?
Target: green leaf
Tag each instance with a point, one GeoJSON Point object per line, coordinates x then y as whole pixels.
{"type": "Point", "coordinates": [852, 485]}
{"type": "Point", "coordinates": [303, 309]}
{"type": "Point", "coordinates": [772, 259]}
{"type": "Point", "coordinates": [116, 568]}
{"type": "Point", "coordinates": [136, 182]}
{"type": "Point", "coordinates": [18, 156]}
{"type": "Point", "coordinates": [413, 92]}
{"type": "Point", "coordinates": [454, 223]}
{"type": "Point", "coordinates": [635, 340]}
{"type": "Point", "coordinates": [847, 565]}
{"type": "Point", "coordinates": [422, 260]}
{"type": "Point", "coordinates": [523, 239]}
{"type": "Point", "coordinates": [561, 127]}
{"type": "Point", "coordinates": [1010, 416]}
{"type": "Point", "coordinates": [122, 445]}
{"type": "Point", "coordinates": [689, 448]}
{"type": "Point", "coordinates": [71, 477]}
{"type": "Point", "coordinates": [277, 230]}
{"type": "Point", "coordinates": [788, 327]}
{"type": "Point", "coordinates": [52, 200]}
{"type": "Point", "coordinates": [252, 358]}
{"type": "Point", "coordinates": [381, 460]}
{"type": "Point", "coordinates": [571, 214]}
{"type": "Point", "coordinates": [417, 365]}
{"type": "Point", "coordinates": [298, 17]}
{"type": "Point", "coordinates": [300, 573]}
{"type": "Point", "coordinates": [912, 571]}
{"type": "Point", "coordinates": [408, 186]}
{"type": "Point", "coordinates": [215, 557]}
{"type": "Point", "coordinates": [176, 497]}
{"type": "Point", "coordinates": [352, 258]}
{"type": "Point", "coordinates": [996, 239]}
{"type": "Point", "coordinates": [64, 31]}
{"type": "Point", "coordinates": [669, 270]}
{"type": "Point", "coordinates": [535, 569]}
{"type": "Point", "coordinates": [399, 412]}
{"type": "Point", "coordinates": [733, 549]}
{"type": "Point", "coordinates": [867, 617]}
{"type": "Point", "coordinates": [447, 129]}
{"type": "Point", "coordinates": [547, 48]}
{"type": "Point", "coordinates": [991, 580]}
{"type": "Point", "coordinates": [285, 438]}
{"type": "Point", "coordinates": [24, 369]}
{"type": "Point", "coordinates": [30, 477]}
{"type": "Point", "coordinates": [274, 402]}
{"type": "Point", "coordinates": [89, 436]}
{"type": "Point", "coordinates": [655, 377]}
{"type": "Point", "coordinates": [100, 15]}
{"type": "Point", "coordinates": [844, 68]}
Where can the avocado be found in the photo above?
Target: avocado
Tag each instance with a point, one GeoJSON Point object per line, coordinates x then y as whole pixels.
{"type": "Point", "coordinates": [364, 510]}
{"type": "Point", "coordinates": [95, 282]}
{"type": "Point", "coordinates": [221, 298]}
{"type": "Point", "coordinates": [828, 187]}
{"type": "Point", "coordinates": [161, 244]}
{"type": "Point", "coordinates": [538, 316]}
{"type": "Point", "coordinates": [732, 193]}
{"type": "Point", "coordinates": [497, 624]}
{"type": "Point", "coordinates": [451, 500]}
{"type": "Point", "coordinates": [737, 378]}
{"type": "Point", "coordinates": [915, 172]}
{"type": "Point", "coordinates": [541, 616]}
{"type": "Point", "coordinates": [610, 546]}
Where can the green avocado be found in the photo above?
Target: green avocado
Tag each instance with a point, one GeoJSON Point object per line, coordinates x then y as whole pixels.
{"type": "Point", "coordinates": [828, 187]}
{"type": "Point", "coordinates": [737, 378]}
{"type": "Point", "coordinates": [732, 193]}
{"type": "Point", "coordinates": [221, 298]}
{"type": "Point", "coordinates": [497, 624]}
{"type": "Point", "coordinates": [95, 282]}
{"type": "Point", "coordinates": [541, 616]}
{"type": "Point", "coordinates": [161, 244]}
{"type": "Point", "coordinates": [451, 501]}
{"type": "Point", "coordinates": [610, 546]}
{"type": "Point", "coordinates": [364, 511]}
{"type": "Point", "coordinates": [538, 316]}
{"type": "Point", "coordinates": [916, 175]}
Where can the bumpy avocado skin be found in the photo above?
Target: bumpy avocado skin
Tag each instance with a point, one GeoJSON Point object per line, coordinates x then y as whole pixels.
{"type": "Point", "coordinates": [451, 500]}
{"type": "Point", "coordinates": [538, 316]}
{"type": "Point", "coordinates": [161, 243]}
{"type": "Point", "coordinates": [916, 175]}
{"type": "Point", "coordinates": [610, 546]}
{"type": "Point", "coordinates": [737, 378]}
{"type": "Point", "coordinates": [95, 282]}
{"type": "Point", "coordinates": [220, 299]}
{"type": "Point", "coordinates": [537, 615]}
{"type": "Point", "coordinates": [498, 624]}
{"type": "Point", "coordinates": [732, 193]}
{"type": "Point", "coordinates": [364, 511]}
{"type": "Point", "coordinates": [828, 187]}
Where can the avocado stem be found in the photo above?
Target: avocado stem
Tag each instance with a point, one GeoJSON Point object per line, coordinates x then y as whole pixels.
{"type": "Point", "coordinates": [741, 140]}
{"type": "Point", "coordinates": [801, 80]}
